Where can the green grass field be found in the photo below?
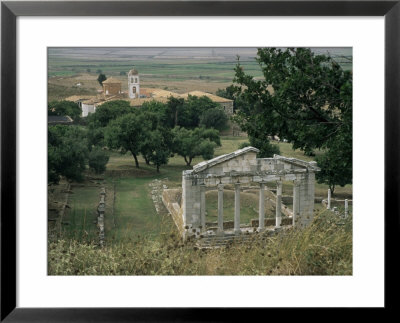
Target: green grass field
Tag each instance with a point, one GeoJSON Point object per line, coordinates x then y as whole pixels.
{"type": "Point", "coordinates": [158, 69]}
{"type": "Point", "coordinates": [79, 220]}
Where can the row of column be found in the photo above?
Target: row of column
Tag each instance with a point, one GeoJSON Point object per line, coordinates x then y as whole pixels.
{"type": "Point", "coordinates": [261, 207]}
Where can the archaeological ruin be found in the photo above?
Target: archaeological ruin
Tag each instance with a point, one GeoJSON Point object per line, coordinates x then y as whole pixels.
{"type": "Point", "coordinates": [237, 169]}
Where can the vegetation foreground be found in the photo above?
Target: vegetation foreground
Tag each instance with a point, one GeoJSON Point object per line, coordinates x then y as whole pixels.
{"type": "Point", "coordinates": [324, 248]}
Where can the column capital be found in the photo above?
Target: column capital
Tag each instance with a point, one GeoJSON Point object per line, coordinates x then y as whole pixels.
{"type": "Point", "coordinates": [220, 187]}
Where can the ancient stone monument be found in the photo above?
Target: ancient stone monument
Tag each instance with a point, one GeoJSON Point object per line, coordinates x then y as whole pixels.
{"type": "Point", "coordinates": [238, 168]}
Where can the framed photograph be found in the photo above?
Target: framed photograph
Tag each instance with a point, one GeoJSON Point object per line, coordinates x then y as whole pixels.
{"type": "Point", "coordinates": [195, 152]}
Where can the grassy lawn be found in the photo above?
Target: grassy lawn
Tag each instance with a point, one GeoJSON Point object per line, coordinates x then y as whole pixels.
{"type": "Point", "coordinates": [248, 206]}
{"type": "Point", "coordinates": [79, 219]}
{"type": "Point", "coordinates": [134, 209]}
{"type": "Point", "coordinates": [155, 69]}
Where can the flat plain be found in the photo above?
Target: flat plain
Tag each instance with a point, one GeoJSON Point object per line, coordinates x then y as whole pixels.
{"type": "Point", "coordinates": [175, 69]}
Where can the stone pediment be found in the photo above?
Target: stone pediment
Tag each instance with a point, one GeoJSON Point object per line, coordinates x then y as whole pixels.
{"type": "Point", "coordinates": [245, 161]}
{"type": "Point", "coordinates": [298, 163]}
{"type": "Point", "coordinates": [250, 151]}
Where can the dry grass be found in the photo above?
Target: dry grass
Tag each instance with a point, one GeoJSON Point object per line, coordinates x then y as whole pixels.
{"type": "Point", "coordinates": [323, 248]}
{"type": "Point", "coordinates": [62, 87]}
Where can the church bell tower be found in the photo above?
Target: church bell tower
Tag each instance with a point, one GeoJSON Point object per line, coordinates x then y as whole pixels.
{"type": "Point", "coordinates": [133, 84]}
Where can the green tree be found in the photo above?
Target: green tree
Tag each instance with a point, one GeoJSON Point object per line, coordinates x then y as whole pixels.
{"type": "Point", "coordinates": [336, 164]}
{"type": "Point", "coordinates": [229, 92]}
{"type": "Point", "coordinates": [101, 78]}
{"type": "Point", "coordinates": [196, 142]}
{"type": "Point", "coordinates": [214, 118]}
{"type": "Point", "coordinates": [266, 148]}
{"type": "Point", "coordinates": [175, 107]}
{"type": "Point", "coordinates": [159, 110]}
{"type": "Point", "coordinates": [304, 98]}
{"type": "Point", "coordinates": [193, 107]}
{"type": "Point", "coordinates": [67, 153]}
{"type": "Point", "coordinates": [98, 160]}
{"type": "Point", "coordinates": [64, 108]}
{"type": "Point", "coordinates": [95, 135]}
{"type": "Point", "coordinates": [97, 122]}
{"type": "Point", "coordinates": [109, 111]}
{"type": "Point", "coordinates": [156, 146]}
{"type": "Point", "coordinates": [128, 132]}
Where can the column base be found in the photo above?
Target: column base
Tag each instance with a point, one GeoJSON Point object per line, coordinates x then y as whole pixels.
{"type": "Point", "coordinates": [278, 222]}
{"type": "Point", "coordinates": [220, 233]}
{"type": "Point", "coordinates": [237, 232]}
{"type": "Point", "coordinates": [260, 229]}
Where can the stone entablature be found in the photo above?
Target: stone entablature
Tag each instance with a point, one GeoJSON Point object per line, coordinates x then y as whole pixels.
{"type": "Point", "coordinates": [242, 167]}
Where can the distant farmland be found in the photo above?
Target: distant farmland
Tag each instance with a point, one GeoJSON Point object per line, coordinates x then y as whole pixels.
{"type": "Point", "coordinates": [177, 69]}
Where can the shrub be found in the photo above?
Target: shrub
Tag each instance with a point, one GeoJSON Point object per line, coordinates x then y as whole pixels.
{"type": "Point", "coordinates": [244, 145]}
{"type": "Point", "coordinates": [266, 148]}
{"type": "Point", "coordinates": [98, 160]}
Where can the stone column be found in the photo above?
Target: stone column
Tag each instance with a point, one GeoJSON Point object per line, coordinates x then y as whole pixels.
{"type": "Point", "coordinates": [203, 207]}
{"type": "Point", "coordinates": [237, 209]}
{"type": "Point", "coordinates": [346, 208]}
{"type": "Point", "coordinates": [220, 209]}
{"type": "Point", "coordinates": [191, 208]}
{"type": "Point", "coordinates": [329, 199]}
{"type": "Point", "coordinates": [278, 204]}
{"type": "Point", "coordinates": [296, 202]}
{"type": "Point", "coordinates": [261, 209]}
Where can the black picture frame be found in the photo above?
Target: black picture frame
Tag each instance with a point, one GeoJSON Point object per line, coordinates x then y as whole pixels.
{"type": "Point", "coordinates": [10, 10]}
